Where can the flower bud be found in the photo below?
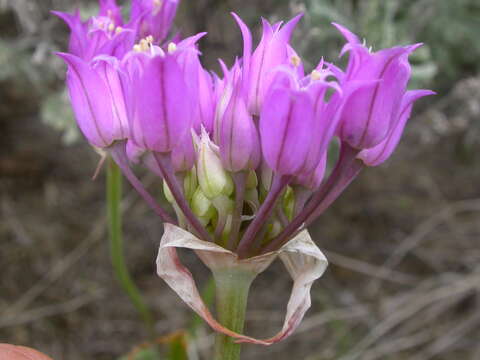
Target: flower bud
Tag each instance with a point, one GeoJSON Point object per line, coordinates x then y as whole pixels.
{"type": "Point", "coordinates": [190, 183]}
{"type": "Point", "coordinates": [288, 202]}
{"type": "Point", "coordinates": [252, 180]}
{"type": "Point", "coordinates": [212, 177]}
{"type": "Point", "coordinates": [168, 194]}
{"type": "Point", "coordinates": [202, 207]}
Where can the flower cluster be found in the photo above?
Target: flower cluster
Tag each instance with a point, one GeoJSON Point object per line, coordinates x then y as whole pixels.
{"type": "Point", "coordinates": [243, 154]}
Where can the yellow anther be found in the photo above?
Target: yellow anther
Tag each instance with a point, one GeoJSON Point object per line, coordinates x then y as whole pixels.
{"type": "Point", "coordinates": [101, 25]}
{"type": "Point", "coordinates": [118, 30]}
{"type": "Point", "coordinates": [172, 47]}
{"type": "Point", "coordinates": [144, 45]}
{"type": "Point", "coordinates": [111, 27]}
{"type": "Point", "coordinates": [137, 48]}
{"type": "Point", "coordinates": [295, 60]}
{"type": "Point", "coordinates": [316, 75]}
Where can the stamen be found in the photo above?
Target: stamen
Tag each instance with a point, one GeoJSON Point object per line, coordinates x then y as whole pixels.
{"type": "Point", "coordinates": [144, 45]}
{"type": "Point", "coordinates": [316, 75]}
{"type": "Point", "coordinates": [295, 60]}
{"type": "Point", "coordinates": [111, 27]}
{"type": "Point", "coordinates": [118, 30]}
{"type": "Point", "coordinates": [172, 47]}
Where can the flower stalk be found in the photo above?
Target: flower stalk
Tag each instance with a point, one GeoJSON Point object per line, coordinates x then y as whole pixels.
{"type": "Point", "coordinates": [117, 255]}
{"type": "Point", "coordinates": [232, 286]}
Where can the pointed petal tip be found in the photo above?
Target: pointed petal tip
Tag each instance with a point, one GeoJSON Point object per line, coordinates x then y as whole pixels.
{"type": "Point", "coordinates": [347, 34]}
{"type": "Point", "coordinates": [68, 58]}
{"type": "Point", "coordinates": [411, 48]}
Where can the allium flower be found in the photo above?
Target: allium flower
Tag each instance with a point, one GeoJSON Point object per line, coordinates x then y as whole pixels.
{"type": "Point", "coordinates": [153, 17]}
{"type": "Point", "coordinates": [241, 155]}
{"type": "Point", "coordinates": [160, 115]}
{"type": "Point", "coordinates": [376, 82]}
{"type": "Point", "coordinates": [108, 34]}
{"type": "Point", "coordinates": [97, 99]}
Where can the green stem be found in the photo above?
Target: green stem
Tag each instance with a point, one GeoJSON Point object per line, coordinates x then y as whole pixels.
{"type": "Point", "coordinates": [114, 213]}
{"type": "Point", "coordinates": [232, 286]}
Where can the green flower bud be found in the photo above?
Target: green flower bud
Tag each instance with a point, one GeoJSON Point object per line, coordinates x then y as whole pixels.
{"type": "Point", "coordinates": [288, 202]}
{"type": "Point", "coordinates": [201, 205]}
{"type": "Point", "coordinates": [224, 204]}
{"type": "Point", "coordinates": [168, 193]}
{"type": "Point", "coordinates": [212, 177]}
{"type": "Point", "coordinates": [252, 180]}
{"type": "Point", "coordinates": [275, 229]}
{"type": "Point", "coordinates": [190, 183]}
{"type": "Point", "coordinates": [251, 198]}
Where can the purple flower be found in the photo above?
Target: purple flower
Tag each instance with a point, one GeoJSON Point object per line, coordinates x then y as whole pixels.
{"type": "Point", "coordinates": [183, 155]}
{"type": "Point", "coordinates": [374, 84]}
{"type": "Point", "coordinates": [286, 123]}
{"type": "Point", "coordinates": [200, 81]}
{"type": "Point", "coordinates": [312, 180]}
{"type": "Point", "coordinates": [107, 34]}
{"type": "Point", "coordinates": [160, 114]}
{"type": "Point", "coordinates": [272, 51]}
{"type": "Point", "coordinates": [97, 99]}
{"type": "Point", "coordinates": [319, 116]}
{"type": "Point", "coordinates": [238, 140]}
{"type": "Point", "coordinates": [104, 34]}
{"type": "Point", "coordinates": [153, 17]}
{"type": "Point", "coordinates": [381, 152]}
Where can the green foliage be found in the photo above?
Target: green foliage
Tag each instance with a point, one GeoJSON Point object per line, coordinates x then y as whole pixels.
{"type": "Point", "coordinates": [56, 112]}
{"type": "Point", "coordinates": [146, 354]}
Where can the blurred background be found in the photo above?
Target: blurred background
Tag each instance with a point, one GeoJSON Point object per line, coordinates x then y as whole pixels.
{"type": "Point", "coordinates": [403, 240]}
